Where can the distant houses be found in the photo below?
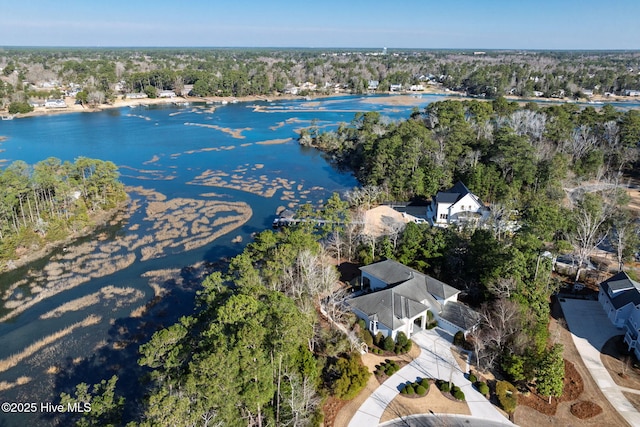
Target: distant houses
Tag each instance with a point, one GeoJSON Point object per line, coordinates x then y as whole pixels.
{"type": "Point", "coordinates": [136, 95]}
{"type": "Point", "coordinates": [166, 94]}
{"type": "Point", "coordinates": [55, 103]}
{"type": "Point", "coordinates": [405, 300]}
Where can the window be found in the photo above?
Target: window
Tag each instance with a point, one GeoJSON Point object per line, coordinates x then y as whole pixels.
{"type": "Point", "coordinates": [373, 326]}
{"type": "Point", "coordinates": [444, 216]}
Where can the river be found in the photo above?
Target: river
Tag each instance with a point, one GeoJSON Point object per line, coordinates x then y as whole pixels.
{"type": "Point", "coordinates": [202, 178]}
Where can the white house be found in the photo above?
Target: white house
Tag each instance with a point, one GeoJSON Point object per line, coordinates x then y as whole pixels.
{"type": "Point", "coordinates": [373, 85]}
{"type": "Point", "coordinates": [457, 205]}
{"type": "Point", "coordinates": [136, 95]}
{"type": "Point", "coordinates": [620, 297]}
{"type": "Point", "coordinates": [167, 94]}
{"type": "Point", "coordinates": [55, 103]}
{"type": "Point", "coordinates": [402, 297]}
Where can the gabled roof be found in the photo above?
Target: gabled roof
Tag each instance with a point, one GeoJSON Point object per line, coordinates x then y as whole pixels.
{"type": "Point", "coordinates": [624, 290]}
{"type": "Point", "coordinates": [452, 195]}
{"type": "Point", "coordinates": [455, 193]}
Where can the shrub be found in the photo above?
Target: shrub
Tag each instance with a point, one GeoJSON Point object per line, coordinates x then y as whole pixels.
{"type": "Point", "coordinates": [473, 378]}
{"type": "Point", "coordinates": [404, 389]}
{"type": "Point", "coordinates": [507, 397]}
{"type": "Point", "coordinates": [425, 383]}
{"type": "Point", "coordinates": [483, 388]}
{"type": "Point", "coordinates": [362, 324]}
{"type": "Point", "coordinates": [353, 377]}
{"type": "Point", "coordinates": [432, 325]}
{"type": "Point", "coordinates": [454, 388]}
{"type": "Point", "coordinates": [367, 338]}
{"type": "Point", "coordinates": [379, 339]}
{"type": "Point", "coordinates": [388, 344]}
{"type": "Point", "coordinates": [401, 339]}
{"type": "Point", "coordinates": [458, 394]}
{"type": "Point", "coordinates": [458, 339]}
{"type": "Point", "coordinates": [444, 387]}
{"type": "Point", "coordinates": [421, 390]}
{"type": "Point", "coordinates": [429, 315]}
{"type": "Point", "coordinates": [410, 389]}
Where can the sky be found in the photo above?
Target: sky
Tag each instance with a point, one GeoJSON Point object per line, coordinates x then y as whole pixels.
{"type": "Point", "coordinates": [425, 24]}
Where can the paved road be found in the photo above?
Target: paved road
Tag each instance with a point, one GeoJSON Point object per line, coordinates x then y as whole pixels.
{"type": "Point", "coordinates": [435, 361]}
{"type": "Point", "coordinates": [591, 329]}
{"type": "Point", "coordinates": [441, 420]}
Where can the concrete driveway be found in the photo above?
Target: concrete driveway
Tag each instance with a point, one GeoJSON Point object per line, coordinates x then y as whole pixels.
{"type": "Point", "coordinates": [435, 361]}
{"type": "Point", "coordinates": [591, 329]}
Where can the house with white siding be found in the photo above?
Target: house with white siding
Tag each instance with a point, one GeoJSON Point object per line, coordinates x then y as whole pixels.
{"type": "Point", "coordinates": [401, 298]}
{"type": "Point", "coordinates": [456, 206]}
{"type": "Point", "coordinates": [620, 298]}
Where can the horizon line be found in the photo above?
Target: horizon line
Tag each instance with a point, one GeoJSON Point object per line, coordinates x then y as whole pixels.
{"type": "Point", "coordinates": [376, 48]}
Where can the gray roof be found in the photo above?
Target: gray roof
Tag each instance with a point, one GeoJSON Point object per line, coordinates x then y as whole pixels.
{"type": "Point", "coordinates": [409, 294]}
{"type": "Point", "coordinates": [440, 289]}
{"type": "Point", "coordinates": [626, 290]}
{"type": "Point", "coordinates": [621, 281]}
{"type": "Point", "coordinates": [388, 307]}
{"type": "Point", "coordinates": [389, 271]}
{"type": "Point", "coordinates": [393, 273]}
{"type": "Point", "coordinates": [460, 315]}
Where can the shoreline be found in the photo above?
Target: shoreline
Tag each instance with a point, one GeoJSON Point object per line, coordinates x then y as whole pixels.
{"type": "Point", "coordinates": [72, 107]}
{"type": "Point", "coordinates": [396, 98]}
{"type": "Point", "coordinates": [101, 219]}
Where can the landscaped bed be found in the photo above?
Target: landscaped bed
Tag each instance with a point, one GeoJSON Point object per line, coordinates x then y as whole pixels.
{"type": "Point", "coordinates": [573, 388]}
{"type": "Point", "coordinates": [434, 400]}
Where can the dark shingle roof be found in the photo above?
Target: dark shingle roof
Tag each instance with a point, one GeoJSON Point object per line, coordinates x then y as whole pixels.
{"type": "Point", "coordinates": [452, 195]}
{"type": "Point", "coordinates": [440, 289]}
{"type": "Point", "coordinates": [624, 290]}
{"type": "Point", "coordinates": [460, 315]}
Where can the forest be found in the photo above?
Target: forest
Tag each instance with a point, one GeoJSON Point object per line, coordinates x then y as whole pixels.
{"type": "Point", "coordinates": [51, 200]}
{"type": "Point", "coordinates": [103, 74]}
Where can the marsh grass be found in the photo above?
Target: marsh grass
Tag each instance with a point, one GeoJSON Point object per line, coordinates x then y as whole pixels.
{"type": "Point", "coordinates": [5, 385]}
{"type": "Point", "coordinates": [235, 133]}
{"type": "Point", "coordinates": [170, 224]}
{"type": "Point", "coordinates": [13, 360]}
{"type": "Point", "coordinates": [121, 295]}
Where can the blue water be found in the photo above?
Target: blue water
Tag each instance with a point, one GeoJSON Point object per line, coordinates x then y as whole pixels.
{"type": "Point", "coordinates": [156, 149]}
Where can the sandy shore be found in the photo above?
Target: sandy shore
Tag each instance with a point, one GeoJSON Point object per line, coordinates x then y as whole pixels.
{"type": "Point", "coordinates": [399, 99]}
{"type": "Point", "coordinates": [72, 107]}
